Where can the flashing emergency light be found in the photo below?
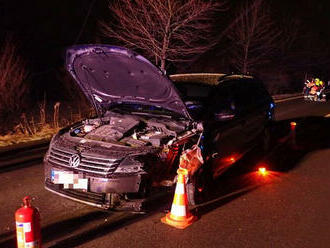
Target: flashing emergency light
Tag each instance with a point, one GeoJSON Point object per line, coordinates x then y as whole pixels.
{"type": "Point", "coordinates": [262, 171]}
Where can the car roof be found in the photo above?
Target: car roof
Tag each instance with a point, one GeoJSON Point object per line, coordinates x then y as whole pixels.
{"type": "Point", "coordinates": [206, 78]}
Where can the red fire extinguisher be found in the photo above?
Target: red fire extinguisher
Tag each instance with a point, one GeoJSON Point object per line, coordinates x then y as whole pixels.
{"type": "Point", "coordinates": [28, 226]}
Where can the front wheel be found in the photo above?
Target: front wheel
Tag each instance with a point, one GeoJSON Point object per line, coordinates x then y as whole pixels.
{"type": "Point", "coordinates": [199, 185]}
{"type": "Point", "coordinates": [191, 193]}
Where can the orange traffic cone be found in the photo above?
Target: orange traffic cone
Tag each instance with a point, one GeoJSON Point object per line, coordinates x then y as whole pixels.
{"type": "Point", "coordinates": [180, 217]}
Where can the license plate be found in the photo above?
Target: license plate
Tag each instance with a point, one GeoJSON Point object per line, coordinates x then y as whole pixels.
{"type": "Point", "coordinates": [69, 180]}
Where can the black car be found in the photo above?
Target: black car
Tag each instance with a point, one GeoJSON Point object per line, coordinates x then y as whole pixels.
{"type": "Point", "coordinates": [145, 122]}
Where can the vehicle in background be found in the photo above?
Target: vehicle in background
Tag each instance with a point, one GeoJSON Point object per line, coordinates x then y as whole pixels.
{"type": "Point", "coordinates": [314, 90]}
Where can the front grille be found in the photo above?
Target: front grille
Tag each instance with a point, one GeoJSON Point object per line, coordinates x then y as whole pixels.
{"type": "Point", "coordinates": [88, 163]}
{"type": "Point", "coordinates": [96, 198]}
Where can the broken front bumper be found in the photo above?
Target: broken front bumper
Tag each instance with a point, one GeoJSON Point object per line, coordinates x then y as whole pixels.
{"type": "Point", "coordinates": [100, 192]}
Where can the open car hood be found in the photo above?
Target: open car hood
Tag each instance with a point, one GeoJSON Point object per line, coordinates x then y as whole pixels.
{"type": "Point", "coordinates": [109, 75]}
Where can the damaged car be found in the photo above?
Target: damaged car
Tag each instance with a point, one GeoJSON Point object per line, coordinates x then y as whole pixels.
{"type": "Point", "coordinates": [146, 125]}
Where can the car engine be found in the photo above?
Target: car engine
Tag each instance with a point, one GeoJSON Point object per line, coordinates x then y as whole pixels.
{"type": "Point", "coordinates": [130, 130]}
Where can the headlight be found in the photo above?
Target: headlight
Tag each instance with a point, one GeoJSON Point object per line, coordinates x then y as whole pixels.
{"type": "Point", "coordinates": [129, 165]}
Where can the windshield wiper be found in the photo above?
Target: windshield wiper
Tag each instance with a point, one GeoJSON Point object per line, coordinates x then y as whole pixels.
{"type": "Point", "coordinates": [152, 114]}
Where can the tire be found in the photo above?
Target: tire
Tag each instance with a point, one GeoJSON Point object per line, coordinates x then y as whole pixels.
{"type": "Point", "coordinates": [201, 183]}
{"type": "Point", "coordinates": [191, 193]}
{"type": "Point", "coordinates": [145, 188]}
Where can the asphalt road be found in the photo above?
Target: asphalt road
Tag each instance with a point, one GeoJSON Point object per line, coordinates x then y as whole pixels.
{"type": "Point", "coordinates": [288, 208]}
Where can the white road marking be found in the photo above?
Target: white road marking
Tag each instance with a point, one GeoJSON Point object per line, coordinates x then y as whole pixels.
{"type": "Point", "coordinates": [288, 99]}
{"type": "Point", "coordinates": [295, 97]}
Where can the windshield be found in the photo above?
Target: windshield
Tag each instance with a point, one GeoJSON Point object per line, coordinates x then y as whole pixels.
{"type": "Point", "coordinates": [195, 96]}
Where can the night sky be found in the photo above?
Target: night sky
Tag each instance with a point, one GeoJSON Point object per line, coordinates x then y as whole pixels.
{"type": "Point", "coordinates": [44, 28]}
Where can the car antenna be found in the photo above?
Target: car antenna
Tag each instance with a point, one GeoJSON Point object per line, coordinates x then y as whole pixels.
{"type": "Point", "coordinates": [87, 74]}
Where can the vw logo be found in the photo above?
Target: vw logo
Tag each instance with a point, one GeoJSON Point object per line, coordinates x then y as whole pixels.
{"type": "Point", "coordinates": [74, 160]}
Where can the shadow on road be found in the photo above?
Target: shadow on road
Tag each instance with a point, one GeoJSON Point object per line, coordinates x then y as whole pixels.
{"type": "Point", "coordinates": [54, 232]}
{"type": "Point", "coordinates": [60, 228]}
{"type": "Point", "coordinates": [312, 133]}
{"type": "Point", "coordinates": [98, 231]}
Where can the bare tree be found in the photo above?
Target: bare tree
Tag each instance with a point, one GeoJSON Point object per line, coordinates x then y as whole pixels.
{"type": "Point", "coordinates": [164, 30]}
{"type": "Point", "coordinates": [254, 36]}
{"type": "Point", "coordinates": [12, 75]}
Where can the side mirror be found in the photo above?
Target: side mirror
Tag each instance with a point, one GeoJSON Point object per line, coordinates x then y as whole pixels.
{"type": "Point", "coordinates": [225, 115]}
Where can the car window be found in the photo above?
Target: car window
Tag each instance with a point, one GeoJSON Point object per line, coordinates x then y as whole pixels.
{"type": "Point", "coordinates": [236, 94]}
{"type": "Point", "coordinates": [243, 94]}
{"type": "Point", "coordinates": [262, 95]}
{"type": "Point", "coordinates": [195, 96]}
{"type": "Point", "coordinates": [223, 98]}
{"type": "Point", "coordinates": [249, 94]}
{"type": "Point", "coordinates": [257, 94]}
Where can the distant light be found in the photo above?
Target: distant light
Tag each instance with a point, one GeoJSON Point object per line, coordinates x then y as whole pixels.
{"type": "Point", "coordinates": [232, 159]}
{"type": "Point", "coordinates": [263, 171]}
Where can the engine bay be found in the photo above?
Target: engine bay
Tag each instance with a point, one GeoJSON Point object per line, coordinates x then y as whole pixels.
{"type": "Point", "coordinates": [131, 130]}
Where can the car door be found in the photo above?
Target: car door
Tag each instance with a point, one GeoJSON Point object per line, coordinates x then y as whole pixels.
{"type": "Point", "coordinates": [251, 101]}
{"type": "Point", "coordinates": [224, 128]}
